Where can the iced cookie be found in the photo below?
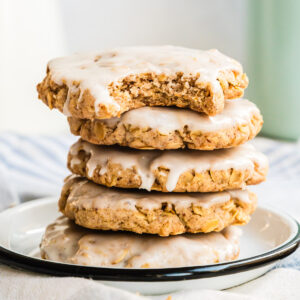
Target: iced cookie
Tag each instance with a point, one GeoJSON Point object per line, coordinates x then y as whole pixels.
{"type": "Point", "coordinates": [169, 171]}
{"type": "Point", "coordinates": [105, 84]}
{"type": "Point", "coordinates": [65, 242]}
{"type": "Point", "coordinates": [173, 128]}
{"type": "Point", "coordinates": [98, 207]}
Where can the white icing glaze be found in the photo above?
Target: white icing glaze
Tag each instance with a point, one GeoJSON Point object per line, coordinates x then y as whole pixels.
{"type": "Point", "coordinates": [71, 90]}
{"type": "Point", "coordinates": [95, 71]}
{"type": "Point", "coordinates": [65, 242]}
{"type": "Point", "coordinates": [88, 195]}
{"type": "Point", "coordinates": [177, 161]}
{"type": "Point", "coordinates": [167, 119]}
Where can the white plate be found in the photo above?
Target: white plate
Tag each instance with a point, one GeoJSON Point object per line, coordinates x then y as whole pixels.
{"type": "Point", "coordinates": [270, 236]}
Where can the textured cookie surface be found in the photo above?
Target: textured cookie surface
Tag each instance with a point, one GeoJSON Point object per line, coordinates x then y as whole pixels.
{"type": "Point", "coordinates": [97, 207]}
{"type": "Point", "coordinates": [66, 242]}
{"type": "Point", "coordinates": [173, 128]}
{"type": "Point", "coordinates": [105, 84]}
{"type": "Point", "coordinates": [169, 170]}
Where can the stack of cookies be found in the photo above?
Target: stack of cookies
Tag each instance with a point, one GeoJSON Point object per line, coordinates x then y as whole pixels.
{"type": "Point", "coordinates": [161, 168]}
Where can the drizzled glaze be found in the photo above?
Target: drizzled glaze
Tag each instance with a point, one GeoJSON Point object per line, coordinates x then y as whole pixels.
{"type": "Point", "coordinates": [177, 161]}
{"type": "Point", "coordinates": [95, 71]}
{"type": "Point", "coordinates": [88, 195]}
{"type": "Point", "coordinates": [65, 242]}
{"type": "Point", "coordinates": [165, 119]}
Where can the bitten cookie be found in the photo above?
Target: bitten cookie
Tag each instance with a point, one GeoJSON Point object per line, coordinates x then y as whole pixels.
{"type": "Point", "coordinates": [173, 128]}
{"type": "Point", "coordinates": [105, 84]}
{"type": "Point", "coordinates": [65, 242]}
{"type": "Point", "coordinates": [169, 171]}
{"type": "Point", "coordinates": [97, 207]}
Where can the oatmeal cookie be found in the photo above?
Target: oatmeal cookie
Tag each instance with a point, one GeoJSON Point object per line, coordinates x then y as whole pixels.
{"type": "Point", "coordinates": [169, 171]}
{"type": "Point", "coordinates": [97, 207]}
{"type": "Point", "coordinates": [105, 84]}
{"type": "Point", "coordinates": [173, 128]}
{"type": "Point", "coordinates": [66, 242]}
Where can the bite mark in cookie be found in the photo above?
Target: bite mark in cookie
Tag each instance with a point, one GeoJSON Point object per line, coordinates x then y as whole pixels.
{"type": "Point", "coordinates": [106, 84]}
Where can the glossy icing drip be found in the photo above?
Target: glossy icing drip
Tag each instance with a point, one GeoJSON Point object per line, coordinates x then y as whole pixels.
{"type": "Point", "coordinates": [177, 161]}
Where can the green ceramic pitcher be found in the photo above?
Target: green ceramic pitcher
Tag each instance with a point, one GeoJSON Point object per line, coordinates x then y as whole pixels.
{"type": "Point", "coordinates": [274, 64]}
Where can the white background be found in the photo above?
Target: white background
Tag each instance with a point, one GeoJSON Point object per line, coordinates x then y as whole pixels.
{"type": "Point", "coordinates": [34, 31]}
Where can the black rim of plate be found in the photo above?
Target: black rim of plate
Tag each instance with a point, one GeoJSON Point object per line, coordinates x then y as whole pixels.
{"type": "Point", "coordinates": [24, 262]}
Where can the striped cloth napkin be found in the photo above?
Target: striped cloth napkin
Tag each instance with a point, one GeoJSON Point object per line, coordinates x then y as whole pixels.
{"type": "Point", "coordinates": [31, 166]}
